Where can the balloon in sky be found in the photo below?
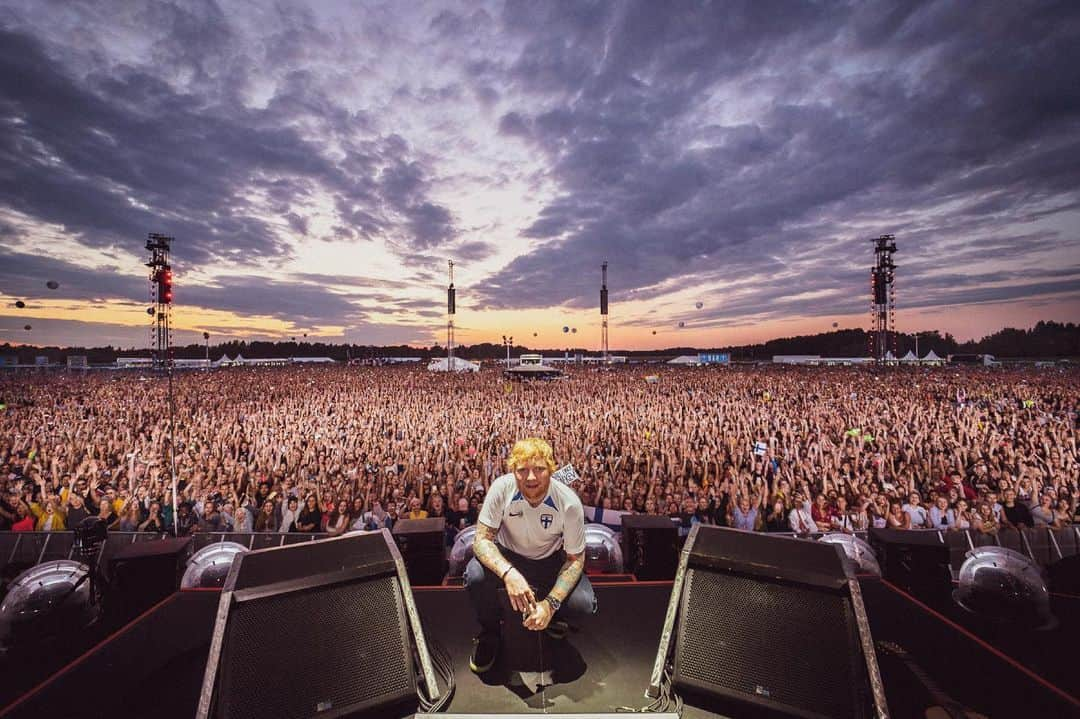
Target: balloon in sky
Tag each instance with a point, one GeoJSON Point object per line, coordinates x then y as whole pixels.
{"type": "Point", "coordinates": [150, 311]}
{"type": "Point", "coordinates": [654, 331]}
{"type": "Point", "coordinates": [534, 334]}
{"type": "Point", "coordinates": [565, 329]}
{"type": "Point", "coordinates": [305, 334]}
{"type": "Point", "coordinates": [835, 324]}
{"type": "Point", "coordinates": [20, 304]}
{"type": "Point", "coordinates": [699, 305]}
{"type": "Point", "coordinates": [27, 327]}
{"type": "Point", "coordinates": [52, 284]}
{"type": "Point", "coordinates": [682, 324]}
{"type": "Point", "coordinates": [573, 330]}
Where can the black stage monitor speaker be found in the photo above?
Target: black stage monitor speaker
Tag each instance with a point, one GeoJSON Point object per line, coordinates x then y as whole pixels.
{"type": "Point", "coordinates": [1064, 575]}
{"type": "Point", "coordinates": [650, 545]}
{"type": "Point", "coordinates": [915, 560]}
{"type": "Point", "coordinates": [319, 629]}
{"type": "Point", "coordinates": [423, 547]}
{"type": "Point", "coordinates": [144, 573]}
{"type": "Point", "coordinates": [769, 626]}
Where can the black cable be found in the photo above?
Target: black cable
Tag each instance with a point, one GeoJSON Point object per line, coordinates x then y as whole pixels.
{"type": "Point", "coordinates": [444, 669]}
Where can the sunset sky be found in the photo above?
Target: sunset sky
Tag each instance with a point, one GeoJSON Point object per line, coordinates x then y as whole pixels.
{"type": "Point", "coordinates": [319, 163]}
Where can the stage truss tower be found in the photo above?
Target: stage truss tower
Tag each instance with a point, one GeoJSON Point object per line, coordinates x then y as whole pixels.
{"type": "Point", "coordinates": [883, 299]}
{"type": "Point", "coordinates": [161, 295]}
{"type": "Point", "coordinates": [451, 302]}
{"type": "Point", "coordinates": [603, 311]}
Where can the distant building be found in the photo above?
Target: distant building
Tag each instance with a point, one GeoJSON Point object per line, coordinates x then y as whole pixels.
{"type": "Point", "coordinates": [311, 360]}
{"type": "Point", "coordinates": [443, 364]}
{"type": "Point", "coordinates": [531, 366]}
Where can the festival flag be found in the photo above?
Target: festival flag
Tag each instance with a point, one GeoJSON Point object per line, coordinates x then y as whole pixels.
{"type": "Point", "coordinates": [760, 448]}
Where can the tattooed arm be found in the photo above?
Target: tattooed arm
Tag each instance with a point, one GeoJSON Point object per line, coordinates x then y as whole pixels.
{"type": "Point", "coordinates": [568, 577]}
{"type": "Point", "coordinates": [487, 552]}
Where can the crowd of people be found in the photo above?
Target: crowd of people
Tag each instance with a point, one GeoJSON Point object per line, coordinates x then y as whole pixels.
{"type": "Point", "coordinates": [330, 449]}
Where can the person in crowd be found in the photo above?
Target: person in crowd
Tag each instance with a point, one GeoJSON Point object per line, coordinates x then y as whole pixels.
{"type": "Point", "coordinates": [211, 520]}
{"type": "Point", "coordinates": [154, 521]}
{"type": "Point", "coordinates": [897, 517]}
{"type": "Point", "coordinates": [941, 516]}
{"type": "Point", "coordinates": [311, 516]}
{"type": "Point", "coordinates": [744, 516]}
{"type": "Point", "coordinates": [1043, 513]}
{"type": "Point", "coordinates": [1063, 516]}
{"type": "Point", "coordinates": [107, 514]}
{"type": "Point", "coordinates": [290, 515]}
{"type": "Point", "coordinates": [267, 519]}
{"type": "Point", "coordinates": [984, 519]}
{"type": "Point", "coordinates": [49, 517]}
{"type": "Point", "coordinates": [337, 523]}
{"type": "Point", "coordinates": [800, 518]}
{"type": "Point", "coordinates": [22, 520]}
{"type": "Point", "coordinates": [459, 519]}
{"type": "Point", "coordinates": [962, 516]}
{"type": "Point", "coordinates": [1015, 514]}
{"type": "Point", "coordinates": [243, 519]}
{"type": "Point", "coordinates": [129, 517]}
{"type": "Point", "coordinates": [186, 520]}
{"type": "Point", "coordinates": [822, 513]}
{"type": "Point", "coordinates": [777, 518]}
{"type": "Point", "coordinates": [76, 510]}
{"type": "Point", "coordinates": [416, 510]}
{"type": "Point", "coordinates": [916, 512]}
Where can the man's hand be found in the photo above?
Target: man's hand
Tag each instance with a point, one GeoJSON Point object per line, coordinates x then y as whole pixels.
{"type": "Point", "coordinates": [540, 616]}
{"type": "Point", "coordinates": [521, 594]}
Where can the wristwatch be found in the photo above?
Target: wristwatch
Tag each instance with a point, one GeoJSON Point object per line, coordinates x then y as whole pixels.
{"type": "Point", "coordinates": [555, 603]}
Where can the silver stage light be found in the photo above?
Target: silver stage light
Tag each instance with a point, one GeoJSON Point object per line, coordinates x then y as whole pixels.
{"type": "Point", "coordinates": [858, 552]}
{"type": "Point", "coordinates": [1004, 585]}
{"type": "Point", "coordinates": [47, 599]}
{"type": "Point", "coordinates": [603, 554]}
{"type": "Point", "coordinates": [209, 566]}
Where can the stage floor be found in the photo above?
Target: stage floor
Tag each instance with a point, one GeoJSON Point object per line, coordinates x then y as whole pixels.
{"type": "Point", "coordinates": [159, 661]}
{"type": "Point", "coordinates": [616, 647]}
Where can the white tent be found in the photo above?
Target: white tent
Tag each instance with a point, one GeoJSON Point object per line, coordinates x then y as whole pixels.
{"type": "Point", "coordinates": [442, 364]}
{"type": "Point", "coordinates": [909, 357]}
{"type": "Point", "coordinates": [890, 357]}
{"type": "Point", "coordinates": [685, 359]}
{"type": "Point", "coordinates": [222, 361]}
{"type": "Point", "coordinates": [932, 358]}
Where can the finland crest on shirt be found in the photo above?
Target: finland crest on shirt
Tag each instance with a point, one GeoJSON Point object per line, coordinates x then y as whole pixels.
{"type": "Point", "coordinates": [534, 532]}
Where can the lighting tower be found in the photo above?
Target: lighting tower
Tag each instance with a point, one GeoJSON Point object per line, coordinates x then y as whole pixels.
{"type": "Point", "coordinates": [451, 301]}
{"type": "Point", "coordinates": [603, 311]}
{"type": "Point", "coordinates": [883, 298]}
{"type": "Point", "coordinates": [161, 287]}
{"type": "Point", "coordinates": [161, 294]}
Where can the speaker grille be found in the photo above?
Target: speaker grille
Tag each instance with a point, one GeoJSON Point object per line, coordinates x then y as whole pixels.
{"type": "Point", "coordinates": [751, 639]}
{"type": "Point", "coordinates": [318, 650]}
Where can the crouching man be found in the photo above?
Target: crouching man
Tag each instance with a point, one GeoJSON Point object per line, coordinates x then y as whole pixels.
{"type": "Point", "coordinates": [530, 539]}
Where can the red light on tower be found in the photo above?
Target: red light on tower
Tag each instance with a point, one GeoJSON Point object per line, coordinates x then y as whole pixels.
{"type": "Point", "coordinates": [165, 286]}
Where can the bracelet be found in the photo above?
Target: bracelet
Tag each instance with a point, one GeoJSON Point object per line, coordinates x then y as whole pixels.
{"type": "Point", "coordinates": [505, 572]}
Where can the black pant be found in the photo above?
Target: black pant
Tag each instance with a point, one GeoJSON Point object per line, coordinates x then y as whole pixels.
{"type": "Point", "coordinates": [483, 586]}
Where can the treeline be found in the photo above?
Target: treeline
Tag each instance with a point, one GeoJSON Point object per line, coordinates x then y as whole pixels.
{"type": "Point", "coordinates": [1044, 340]}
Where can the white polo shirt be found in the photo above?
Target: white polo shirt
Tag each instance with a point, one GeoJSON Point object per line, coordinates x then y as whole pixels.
{"type": "Point", "coordinates": [534, 532]}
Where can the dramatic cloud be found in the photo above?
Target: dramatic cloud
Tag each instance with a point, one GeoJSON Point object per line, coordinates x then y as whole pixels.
{"type": "Point", "coordinates": [319, 164]}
